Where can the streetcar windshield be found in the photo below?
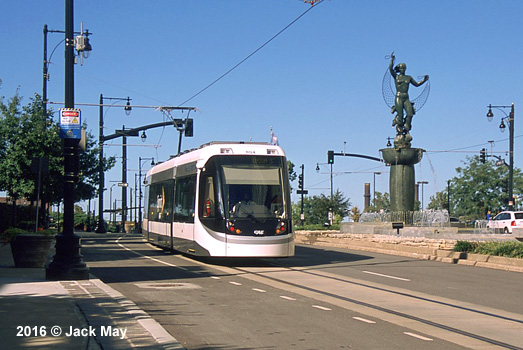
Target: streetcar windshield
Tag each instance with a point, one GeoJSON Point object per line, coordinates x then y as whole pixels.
{"type": "Point", "coordinates": [253, 187]}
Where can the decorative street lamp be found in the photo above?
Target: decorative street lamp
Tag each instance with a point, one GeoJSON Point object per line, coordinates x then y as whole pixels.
{"type": "Point", "coordinates": [101, 224]}
{"type": "Point", "coordinates": [422, 183]}
{"type": "Point", "coordinates": [510, 120]}
{"type": "Point", "coordinates": [68, 263]}
{"type": "Point", "coordinates": [374, 188]}
{"type": "Point", "coordinates": [140, 189]}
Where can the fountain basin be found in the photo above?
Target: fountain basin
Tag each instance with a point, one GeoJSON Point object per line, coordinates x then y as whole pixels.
{"type": "Point", "coordinates": [402, 156]}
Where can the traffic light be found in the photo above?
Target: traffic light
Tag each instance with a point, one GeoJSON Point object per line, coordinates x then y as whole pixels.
{"type": "Point", "coordinates": [300, 181]}
{"type": "Point", "coordinates": [330, 157]}
{"type": "Point", "coordinates": [483, 155]}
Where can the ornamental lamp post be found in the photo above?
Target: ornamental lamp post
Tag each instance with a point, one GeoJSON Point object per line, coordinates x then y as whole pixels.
{"type": "Point", "coordinates": [68, 263]}
{"type": "Point", "coordinates": [374, 188]}
{"type": "Point", "coordinates": [510, 120]}
{"type": "Point", "coordinates": [140, 159]}
{"type": "Point", "coordinates": [127, 108]}
{"type": "Point", "coordinates": [422, 183]}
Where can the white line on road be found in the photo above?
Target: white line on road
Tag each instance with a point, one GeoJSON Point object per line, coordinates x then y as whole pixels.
{"type": "Point", "coordinates": [259, 290]}
{"type": "Point", "coordinates": [387, 276]}
{"type": "Point", "coordinates": [235, 283]}
{"type": "Point", "coordinates": [142, 255]}
{"type": "Point", "coordinates": [215, 277]}
{"type": "Point", "coordinates": [418, 336]}
{"type": "Point", "coordinates": [363, 320]}
{"type": "Point", "coordinates": [322, 308]}
{"type": "Point", "coordinates": [287, 298]}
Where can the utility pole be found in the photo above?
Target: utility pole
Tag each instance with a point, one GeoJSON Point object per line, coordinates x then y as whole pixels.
{"type": "Point", "coordinates": [301, 191]}
{"type": "Point", "coordinates": [68, 263]}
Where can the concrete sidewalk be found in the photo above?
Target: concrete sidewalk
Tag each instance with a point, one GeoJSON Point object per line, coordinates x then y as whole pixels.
{"type": "Point", "coordinates": [38, 314]}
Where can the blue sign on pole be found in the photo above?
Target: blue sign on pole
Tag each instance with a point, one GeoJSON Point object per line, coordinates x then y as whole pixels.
{"type": "Point", "coordinates": [70, 123]}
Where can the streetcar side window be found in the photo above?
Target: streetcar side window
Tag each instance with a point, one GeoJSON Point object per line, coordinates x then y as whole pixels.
{"type": "Point", "coordinates": [208, 205]}
{"type": "Point", "coordinates": [155, 198]}
{"type": "Point", "coordinates": [145, 211]}
{"type": "Point", "coordinates": [184, 197]}
{"type": "Point", "coordinates": [161, 201]}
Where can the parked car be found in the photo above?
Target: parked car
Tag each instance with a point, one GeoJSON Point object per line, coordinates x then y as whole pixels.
{"type": "Point", "coordinates": [506, 221]}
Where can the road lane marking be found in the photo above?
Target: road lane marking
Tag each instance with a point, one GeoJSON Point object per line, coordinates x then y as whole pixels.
{"type": "Point", "coordinates": [235, 283]}
{"type": "Point", "coordinates": [363, 320]}
{"type": "Point", "coordinates": [418, 336]}
{"type": "Point", "coordinates": [144, 256]}
{"type": "Point", "coordinates": [387, 276]}
{"type": "Point", "coordinates": [321, 308]}
{"type": "Point", "coordinates": [259, 290]}
{"type": "Point", "coordinates": [287, 298]}
{"type": "Point", "coordinates": [215, 277]}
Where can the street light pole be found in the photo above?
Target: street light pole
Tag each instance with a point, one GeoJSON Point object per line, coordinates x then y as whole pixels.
{"type": "Point", "coordinates": [68, 263]}
{"type": "Point", "coordinates": [374, 189]}
{"type": "Point", "coordinates": [422, 183]}
{"type": "Point", "coordinates": [510, 119]}
{"type": "Point", "coordinates": [101, 139]}
{"type": "Point", "coordinates": [140, 190]}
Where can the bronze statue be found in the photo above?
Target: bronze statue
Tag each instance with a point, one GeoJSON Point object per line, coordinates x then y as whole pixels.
{"type": "Point", "coordinates": [403, 107]}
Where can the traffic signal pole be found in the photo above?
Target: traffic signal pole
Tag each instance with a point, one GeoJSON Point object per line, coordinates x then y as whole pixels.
{"type": "Point", "coordinates": [302, 192]}
{"type": "Point", "coordinates": [330, 160]}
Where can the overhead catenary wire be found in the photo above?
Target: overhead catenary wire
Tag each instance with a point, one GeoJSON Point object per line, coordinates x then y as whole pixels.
{"type": "Point", "coordinates": [251, 54]}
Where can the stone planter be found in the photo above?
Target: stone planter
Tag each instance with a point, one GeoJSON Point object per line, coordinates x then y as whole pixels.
{"type": "Point", "coordinates": [31, 250]}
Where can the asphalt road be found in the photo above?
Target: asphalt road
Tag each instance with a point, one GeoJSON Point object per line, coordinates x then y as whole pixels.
{"type": "Point", "coordinates": [320, 299]}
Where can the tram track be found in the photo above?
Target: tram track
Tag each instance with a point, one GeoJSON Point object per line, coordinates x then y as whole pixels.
{"type": "Point", "coordinates": [402, 314]}
{"type": "Point", "coordinates": [480, 316]}
{"type": "Point", "coordinates": [370, 299]}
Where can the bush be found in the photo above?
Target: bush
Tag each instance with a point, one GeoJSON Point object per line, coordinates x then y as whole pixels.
{"type": "Point", "coordinates": [316, 227]}
{"type": "Point", "coordinates": [506, 249]}
{"type": "Point", "coordinates": [10, 234]}
{"type": "Point", "coordinates": [465, 246]}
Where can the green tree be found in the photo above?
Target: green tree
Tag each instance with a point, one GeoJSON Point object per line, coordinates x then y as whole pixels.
{"type": "Point", "coordinates": [438, 201]}
{"type": "Point", "coordinates": [381, 201]}
{"type": "Point", "coordinates": [26, 132]}
{"type": "Point", "coordinates": [29, 131]}
{"type": "Point", "coordinates": [292, 173]}
{"type": "Point", "coordinates": [316, 208]}
{"type": "Point", "coordinates": [355, 214]}
{"type": "Point", "coordinates": [479, 187]}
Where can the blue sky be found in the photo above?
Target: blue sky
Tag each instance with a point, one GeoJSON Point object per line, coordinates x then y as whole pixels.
{"type": "Point", "coordinates": [318, 84]}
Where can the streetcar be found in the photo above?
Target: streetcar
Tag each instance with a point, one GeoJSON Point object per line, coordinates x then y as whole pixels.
{"type": "Point", "coordinates": [223, 199]}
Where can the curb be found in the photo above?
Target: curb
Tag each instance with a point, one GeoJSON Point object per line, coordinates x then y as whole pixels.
{"type": "Point", "coordinates": [428, 249]}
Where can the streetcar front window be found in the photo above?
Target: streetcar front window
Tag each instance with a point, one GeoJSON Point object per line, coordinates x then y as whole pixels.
{"type": "Point", "coordinates": [253, 191]}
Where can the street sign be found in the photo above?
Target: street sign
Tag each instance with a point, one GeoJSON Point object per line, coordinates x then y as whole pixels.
{"type": "Point", "coordinates": [70, 123]}
{"type": "Point", "coordinates": [123, 184]}
{"type": "Point", "coordinates": [302, 191]}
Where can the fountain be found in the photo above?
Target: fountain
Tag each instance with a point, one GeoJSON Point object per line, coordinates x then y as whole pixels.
{"type": "Point", "coordinates": [402, 157]}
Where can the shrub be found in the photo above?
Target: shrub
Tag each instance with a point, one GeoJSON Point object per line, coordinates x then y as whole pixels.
{"type": "Point", "coordinates": [465, 246]}
{"type": "Point", "coordinates": [316, 227]}
{"type": "Point", "coordinates": [10, 234]}
{"type": "Point", "coordinates": [506, 249]}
